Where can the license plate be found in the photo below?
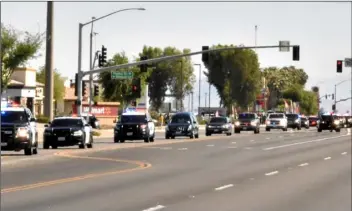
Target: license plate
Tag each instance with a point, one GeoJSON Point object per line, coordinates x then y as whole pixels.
{"type": "Point", "coordinates": [130, 133]}
{"type": "Point", "coordinates": [61, 138]}
{"type": "Point", "coordinates": [178, 133]}
{"type": "Point", "coordinates": [244, 128]}
{"type": "Point", "coordinates": [7, 132]}
{"type": "Point", "coordinates": [216, 130]}
{"type": "Point", "coordinates": [3, 144]}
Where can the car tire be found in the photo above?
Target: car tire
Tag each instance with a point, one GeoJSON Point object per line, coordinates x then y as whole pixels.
{"type": "Point", "coordinates": [208, 134]}
{"type": "Point", "coordinates": [319, 130]}
{"type": "Point", "coordinates": [46, 145]}
{"type": "Point", "coordinates": [35, 150]}
{"type": "Point", "coordinates": [147, 140]}
{"type": "Point", "coordinates": [237, 131]}
{"type": "Point", "coordinates": [54, 146]}
{"type": "Point", "coordinates": [167, 137]}
{"type": "Point", "coordinates": [116, 140]}
{"type": "Point", "coordinates": [172, 137]}
{"type": "Point", "coordinates": [122, 141]}
{"type": "Point", "coordinates": [28, 151]}
{"type": "Point", "coordinates": [338, 130]}
{"type": "Point", "coordinates": [267, 129]}
{"type": "Point", "coordinates": [191, 136]}
{"type": "Point", "coordinates": [197, 135]}
{"type": "Point", "coordinates": [228, 134]}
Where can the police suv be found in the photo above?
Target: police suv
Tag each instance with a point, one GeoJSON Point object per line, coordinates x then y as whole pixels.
{"type": "Point", "coordinates": [18, 130]}
{"type": "Point", "coordinates": [134, 125]}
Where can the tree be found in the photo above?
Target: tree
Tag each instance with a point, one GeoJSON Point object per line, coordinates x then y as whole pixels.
{"type": "Point", "coordinates": [115, 89]}
{"type": "Point", "coordinates": [59, 83]}
{"type": "Point", "coordinates": [176, 75]}
{"type": "Point", "coordinates": [308, 103]}
{"type": "Point", "coordinates": [16, 49]}
{"type": "Point", "coordinates": [235, 75]}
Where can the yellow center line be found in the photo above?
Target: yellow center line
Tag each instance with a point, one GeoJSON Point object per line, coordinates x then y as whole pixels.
{"type": "Point", "coordinates": [140, 165]}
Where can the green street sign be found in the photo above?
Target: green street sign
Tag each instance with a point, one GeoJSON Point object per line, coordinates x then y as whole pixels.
{"type": "Point", "coordinates": [121, 75]}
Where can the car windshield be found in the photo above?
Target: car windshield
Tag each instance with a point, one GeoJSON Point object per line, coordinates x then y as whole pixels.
{"type": "Point", "coordinates": [246, 116]}
{"type": "Point", "coordinates": [304, 119]}
{"type": "Point", "coordinates": [313, 119]}
{"type": "Point", "coordinates": [276, 116]}
{"type": "Point", "coordinates": [133, 118]}
{"type": "Point", "coordinates": [13, 117]}
{"type": "Point", "coordinates": [326, 117]}
{"type": "Point", "coordinates": [292, 116]}
{"type": "Point", "coordinates": [180, 118]}
{"type": "Point", "coordinates": [67, 123]}
{"type": "Point", "coordinates": [218, 120]}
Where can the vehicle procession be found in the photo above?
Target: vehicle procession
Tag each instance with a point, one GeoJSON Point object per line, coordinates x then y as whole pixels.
{"type": "Point", "coordinates": [19, 129]}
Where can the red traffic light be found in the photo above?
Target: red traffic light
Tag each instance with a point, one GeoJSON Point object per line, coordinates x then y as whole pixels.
{"type": "Point", "coordinates": [134, 88]}
{"type": "Point", "coordinates": [339, 62]}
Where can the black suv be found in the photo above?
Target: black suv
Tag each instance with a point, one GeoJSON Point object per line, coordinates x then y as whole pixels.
{"type": "Point", "coordinates": [218, 125]}
{"type": "Point", "coordinates": [68, 131]}
{"type": "Point", "coordinates": [247, 122]}
{"type": "Point", "coordinates": [182, 124]}
{"type": "Point", "coordinates": [328, 122]}
{"type": "Point", "coordinates": [134, 126]}
{"type": "Point", "coordinates": [294, 121]}
{"type": "Point", "coordinates": [18, 130]}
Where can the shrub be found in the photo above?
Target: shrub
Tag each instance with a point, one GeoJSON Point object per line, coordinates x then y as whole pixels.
{"type": "Point", "coordinates": [96, 133]}
{"type": "Point", "coordinates": [42, 119]}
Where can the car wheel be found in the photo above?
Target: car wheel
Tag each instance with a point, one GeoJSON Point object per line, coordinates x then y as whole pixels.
{"type": "Point", "coordinates": [228, 134]}
{"type": "Point", "coordinates": [191, 136]}
{"type": "Point", "coordinates": [267, 129]}
{"type": "Point", "coordinates": [167, 137]}
{"type": "Point", "coordinates": [54, 146]}
{"type": "Point", "coordinates": [28, 151]}
{"type": "Point", "coordinates": [172, 137]}
{"type": "Point", "coordinates": [116, 140]}
{"type": "Point", "coordinates": [319, 130]}
{"type": "Point", "coordinates": [122, 141]}
{"type": "Point", "coordinates": [46, 145]}
{"type": "Point", "coordinates": [197, 135]}
{"type": "Point", "coordinates": [237, 131]}
{"type": "Point", "coordinates": [337, 130]}
{"type": "Point", "coordinates": [35, 150]}
{"type": "Point", "coordinates": [208, 134]}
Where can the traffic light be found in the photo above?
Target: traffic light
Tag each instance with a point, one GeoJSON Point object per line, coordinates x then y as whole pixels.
{"type": "Point", "coordinates": [295, 53]}
{"type": "Point", "coordinates": [144, 67]}
{"type": "Point", "coordinates": [136, 88]}
{"type": "Point", "coordinates": [102, 57]}
{"type": "Point", "coordinates": [205, 56]}
{"type": "Point", "coordinates": [333, 107]}
{"type": "Point", "coordinates": [76, 83]}
{"type": "Point", "coordinates": [96, 90]}
{"type": "Point", "coordinates": [339, 66]}
{"type": "Point", "coordinates": [134, 103]}
{"type": "Point", "coordinates": [84, 86]}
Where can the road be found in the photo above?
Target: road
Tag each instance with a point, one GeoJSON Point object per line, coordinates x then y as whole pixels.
{"type": "Point", "coordinates": [302, 170]}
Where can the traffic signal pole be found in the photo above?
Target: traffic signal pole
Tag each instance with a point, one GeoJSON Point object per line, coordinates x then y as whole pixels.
{"type": "Point", "coordinates": [91, 68]}
{"type": "Point", "coordinates": [81, 74]}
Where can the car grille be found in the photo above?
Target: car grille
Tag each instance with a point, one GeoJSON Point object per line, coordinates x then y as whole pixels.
{"type": "Point", "coordinates": [216, 126]}
{"type": "Point", "coordinates": [178, 128]}
{"type": "Point", "coordinates": [62, 132]}
{"type": "Point", "coordinates": [130, 128]}
{"type": "Point", "coordinates": [275, 122]}
{"type": "Point", "coordinates": [7, 134]}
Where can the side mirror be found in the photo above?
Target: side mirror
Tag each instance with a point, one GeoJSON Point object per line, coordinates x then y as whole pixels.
{"type": "Point", "coordinates": [87, 125]}
{"type": "Point", "coordinates": [46, 125]}
{"type": "Point", "coordinates": [33, 120]}
{"type": "Point", "coordinates": [49, 123]}
{"type": "Point", "coordinates": [194, 122]}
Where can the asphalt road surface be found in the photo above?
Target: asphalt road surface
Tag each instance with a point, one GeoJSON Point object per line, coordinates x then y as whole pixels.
{"type": "Point", "coordinates": [302, 170]}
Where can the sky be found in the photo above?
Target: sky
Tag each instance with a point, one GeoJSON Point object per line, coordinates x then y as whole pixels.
{"type": "Point", "coordinates": [323, 31]}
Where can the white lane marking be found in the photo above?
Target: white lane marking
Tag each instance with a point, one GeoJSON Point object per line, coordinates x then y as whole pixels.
{"type": "Point", "coordinates": [304, 142]}
{"type": "Point", "coordinates": [327, 158]}
{"type": "Point", "coordinates": [267, 138]}
{"type": "Point", "coordinates": [252, 141]}
{"type": "Point", "coordinates": [251, 178]}
{"type": "Point", "coordinates": [234, 142]}
{"type": "Point", "coordinates": [344, 153]}
{"type": "Point", "coordinates": [248, 148]}
{"type": "Point", "coordinates": [182, 148]}
{"type": "Point", "coordinates": [224, 187]}
{"type": "Point", "coordinates": [303, 164]}
{"type": "Point", "coordinates": [159, 207]}
{"type": "Point", "coordinates": [210, 145]}
{"type": "Point", "coordinates": [271, 173]}
{"type": "Point", "coordinates": [280, 136]}
{"type": "Point", "coordinates": [232, 147]}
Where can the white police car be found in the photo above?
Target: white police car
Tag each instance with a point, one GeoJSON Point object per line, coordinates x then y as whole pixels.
{"type": "Point", "coordinates": [18, 130]}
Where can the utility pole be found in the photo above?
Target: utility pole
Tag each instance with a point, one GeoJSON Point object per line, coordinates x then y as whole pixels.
{"type": "Point", "coordinates": [49, 75]}
{"type": "Point", "coordinates": [209, 98]}
{"type": "Point", "coordinates": [192, 102]}
{"type": "Point", "coordinates": [335, 98]}
{"type": "Point", "coordinates": [181, 85]}
{"type": "Point", "coordinates": [200, 82]}
{"type": "Point", "coordinates": [205, 100]}
{"type": "Point", "coordinates": [91, 67]}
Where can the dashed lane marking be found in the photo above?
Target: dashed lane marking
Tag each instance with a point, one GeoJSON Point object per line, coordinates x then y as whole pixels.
{"type": "Point", "coordinates": [252, 140]}
{"type": "Point", "coordinates": [344, 153]}
{"type": "Point", "coordinates": [303, 164]}
{"type": "Point", "coordinates": [234, 142]}
{"type": "Point", "coordinates": [182, 148]}
{"type": "Point", "coordinates": [223, 187]}
{"type": "Point", "coordinates": [304, 142]}
{"type": "Point", "coordinates": [271, 173]}
{"type": "Point", "coordinates": [232, 147]}
{"type": "Point", "coordinates": [210, 145]}
{"type": "Point", "coordinates": [327, 158]}
{"type": "Point", "coordinates": [158, 207]}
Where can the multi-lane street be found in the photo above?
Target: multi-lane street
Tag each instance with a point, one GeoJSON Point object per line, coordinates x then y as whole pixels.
{"type": "Point", "coordinates": [299, 170]}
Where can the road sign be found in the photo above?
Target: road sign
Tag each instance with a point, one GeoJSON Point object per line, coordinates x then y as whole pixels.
{"type": "Point", "coordinates": [348, 62]}
{"type": "Point", "coordinates": [121, 75]}
{"type": "Point", "coordinates": [284, 46]}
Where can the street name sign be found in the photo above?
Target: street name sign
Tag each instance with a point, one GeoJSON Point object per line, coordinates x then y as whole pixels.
{"type": "Point", "coordinates": [121, 75]}
{"type": "Point", "coordinates": [284, 46]}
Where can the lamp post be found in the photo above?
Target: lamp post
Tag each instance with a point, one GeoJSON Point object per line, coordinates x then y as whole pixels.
{"type": "Point", "coordinates": [80, 74]}
{"type": "Point", "coordinates": [200, 79]}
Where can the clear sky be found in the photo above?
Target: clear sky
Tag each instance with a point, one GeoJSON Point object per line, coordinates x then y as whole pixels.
{"type": "Point", "coordinates": [323, 31]}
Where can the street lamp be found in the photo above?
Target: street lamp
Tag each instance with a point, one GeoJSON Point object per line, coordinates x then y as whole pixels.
{"type": "Point", "coordinates": [80, 27]}
{"type": "Point", "coordinates": [335, 89]}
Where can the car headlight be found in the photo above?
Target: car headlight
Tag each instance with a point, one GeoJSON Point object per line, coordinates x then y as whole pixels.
{"type": "Point", "coordinates": [166, 127]}
{"type": "Point", "coordinates": [237, 123]}
{"type": "Point", "coordinates": [253, 123]}
{"type": "Point", "coordinates": [190, 127]}
{"type": "Point", "coordinates": [268, 122]}
{"type": "Point", "coordinates": [282, 122]}
{"type": "Point", "coordinates": [297, 120]}
{"type": "Point", "coordinates": [22, 132]}
{"type": "Point", "coordinates": [78, 133]}
{"type": "Point", "coordinates": [336, 122]}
